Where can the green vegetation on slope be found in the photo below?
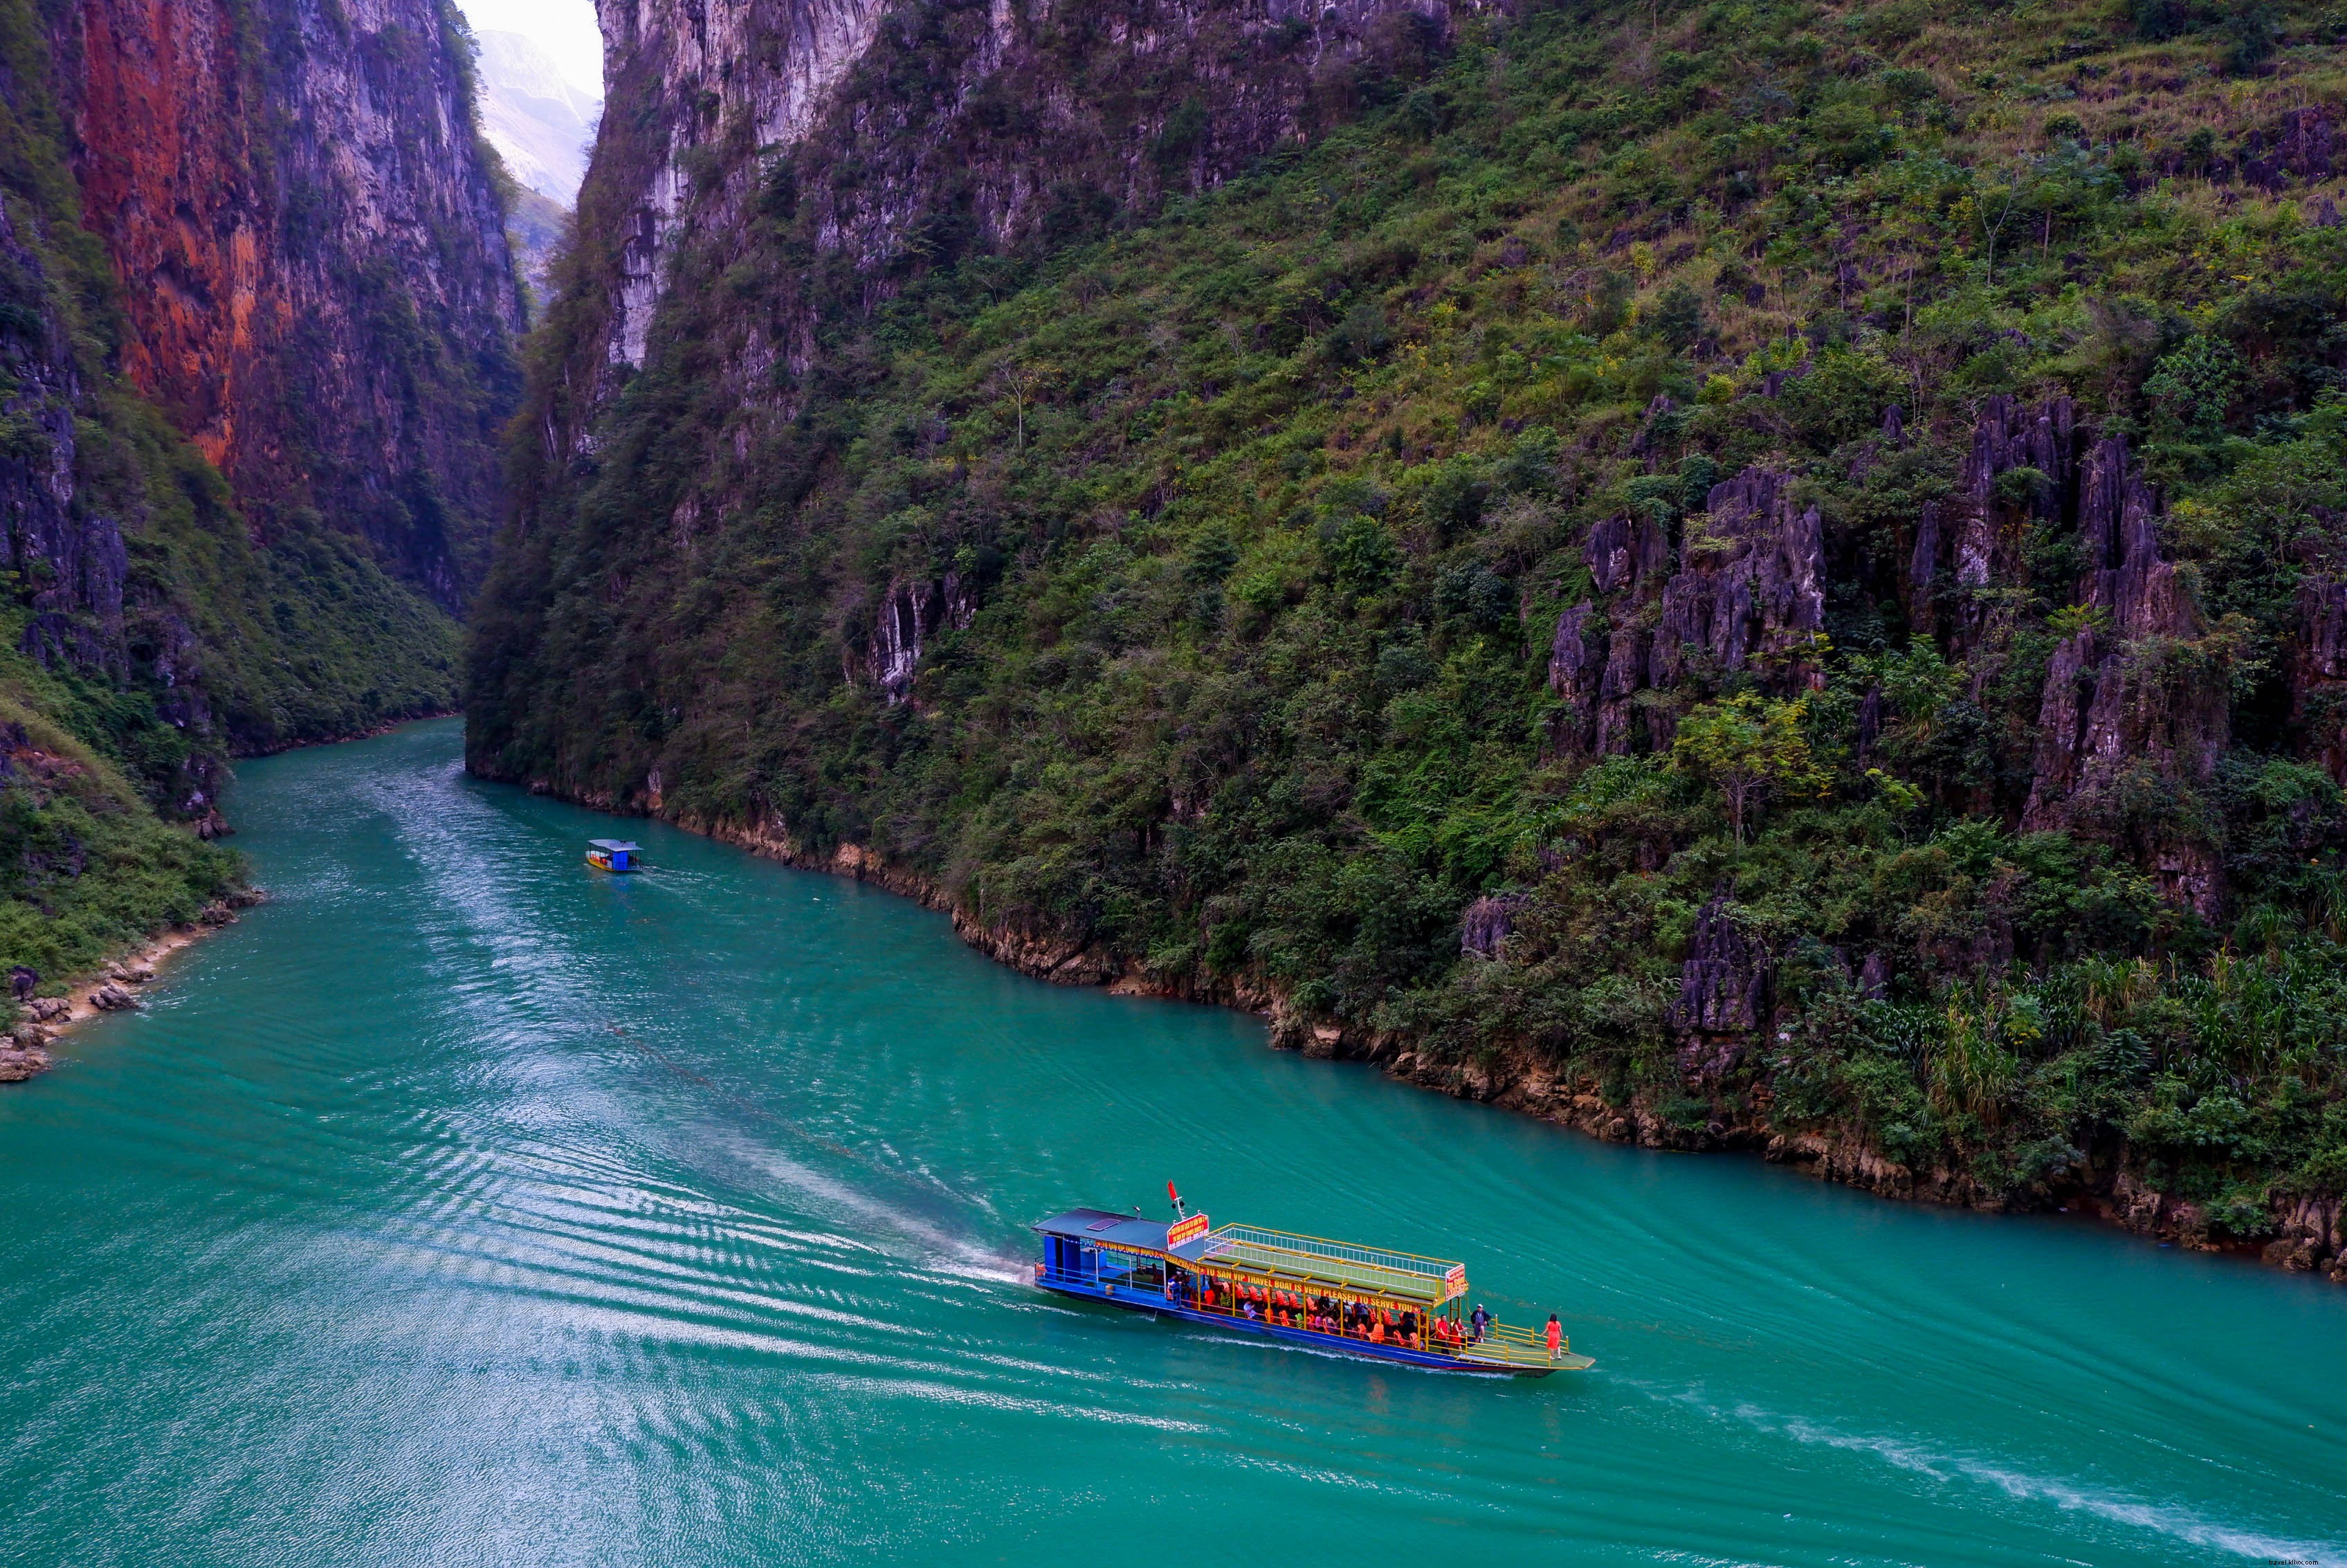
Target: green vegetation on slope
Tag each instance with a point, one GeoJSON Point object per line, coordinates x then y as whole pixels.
{"type": "Point", "coordinates": [145, 634]}
{"type": "Point", "coordinates": [1270, 506]}
{"type": "Point", "coordinates": [87, 868]}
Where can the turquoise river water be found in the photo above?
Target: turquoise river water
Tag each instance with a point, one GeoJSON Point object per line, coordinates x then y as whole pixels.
{"type": "Point", "coordinates": [462, 1206]}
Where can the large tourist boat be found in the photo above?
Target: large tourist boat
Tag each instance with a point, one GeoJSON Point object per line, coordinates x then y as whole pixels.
{"type": "Point", "coordinates": [1326, 1295]}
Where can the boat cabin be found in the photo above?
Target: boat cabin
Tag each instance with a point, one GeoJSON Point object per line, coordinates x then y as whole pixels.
{"type": "Point", "coordinates": [1363, 1300]}
{"type": "Point", "coordinates": [610, 854]}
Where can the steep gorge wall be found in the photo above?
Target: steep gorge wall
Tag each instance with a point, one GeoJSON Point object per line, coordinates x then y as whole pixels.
{"type": "Point", "coordinates": [315, 273]}
{"type": "Point", "coordinates": [256, 344]}
{"type": "Point", "coordinates": [892, 139]}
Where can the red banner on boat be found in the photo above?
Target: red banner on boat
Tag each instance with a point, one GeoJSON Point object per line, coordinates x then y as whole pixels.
{"type": "Point", "coordinates": [1190, 1229]}
{"type": "Point", "coordinates": [1455, 1280]}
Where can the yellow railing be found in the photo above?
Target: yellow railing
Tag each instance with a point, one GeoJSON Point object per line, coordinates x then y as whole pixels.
{"type": "Point", "coordinates": [1346, 1265]}
{"type": "Point", "coordinates": [1513, 1346]}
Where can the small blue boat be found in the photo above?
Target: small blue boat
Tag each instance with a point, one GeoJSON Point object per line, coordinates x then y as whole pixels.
{"type": "Point", "coordinates": [610, 854]}
{"type": "Point", "coordinates": [1306, 1290]}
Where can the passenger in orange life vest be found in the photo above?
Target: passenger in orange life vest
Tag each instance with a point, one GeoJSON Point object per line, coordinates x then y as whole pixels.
{"type": "Point", "coordinates": [1555, 1333]}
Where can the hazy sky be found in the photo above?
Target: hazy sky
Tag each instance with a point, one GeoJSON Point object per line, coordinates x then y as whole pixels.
{"type": "Point", "coordinates": [563, 28]}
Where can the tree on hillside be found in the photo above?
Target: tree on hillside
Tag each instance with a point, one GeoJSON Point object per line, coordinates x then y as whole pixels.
{"type": "Point", "coordinates": [1749, 747]}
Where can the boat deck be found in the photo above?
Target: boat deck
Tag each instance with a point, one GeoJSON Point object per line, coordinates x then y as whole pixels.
{"type": "Point", "coordinates": [1504, 1351]}
{"type": "Point", "coordinates": [1263, 1281]}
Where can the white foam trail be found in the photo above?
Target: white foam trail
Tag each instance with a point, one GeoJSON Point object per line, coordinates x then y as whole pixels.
{"type": "Point", "coordinates": [2177, 1523]}
{"type": "Point", "coordinates": [947, 1394]}
{"type": "Point", "coordinates": [946, 1253]}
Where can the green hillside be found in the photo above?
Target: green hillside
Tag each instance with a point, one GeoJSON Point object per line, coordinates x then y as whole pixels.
{"type": "Point", "coordinates": [146, 634]}
{"type": "Point", "coordinates": [1236, 537]}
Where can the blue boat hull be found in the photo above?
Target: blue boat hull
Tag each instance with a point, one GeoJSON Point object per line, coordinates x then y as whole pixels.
{"type": "Point", "coordinates": [1159, 1305]}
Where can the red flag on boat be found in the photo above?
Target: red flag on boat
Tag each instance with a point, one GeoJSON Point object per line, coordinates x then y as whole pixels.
{"type": "Point", "coordinates": [1174, 1196]}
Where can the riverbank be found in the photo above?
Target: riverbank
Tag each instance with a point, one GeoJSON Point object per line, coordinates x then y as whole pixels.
{"type": "Point", "coordinates": [244, 752]}
{"type": "Point", "coordinates": [114, 988]}
{"type": "Point", "coordinates": [2306, 1234]}
{"type": "Point", "coordinates": [113, 984]}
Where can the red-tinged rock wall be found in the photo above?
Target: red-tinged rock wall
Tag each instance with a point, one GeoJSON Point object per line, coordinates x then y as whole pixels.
{"type": "Point", "coordinates": [313, 257]}
{"type": "Point", "coordinates": [166, 179]}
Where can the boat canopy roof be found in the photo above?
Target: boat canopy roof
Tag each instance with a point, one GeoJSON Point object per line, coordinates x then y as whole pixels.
{"type": "Point", "coordinates": [1346, 1265]}
{"type": "Point", "coordinates": [612, 843]}
{"type": "Point", "coordinates": [1101, 1225]}
{"type": "Point", "coordinates": [1304, 1261]}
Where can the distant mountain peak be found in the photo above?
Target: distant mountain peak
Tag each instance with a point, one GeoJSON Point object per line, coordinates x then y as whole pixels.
{"type": "Point", "coordinates": [537, 121]}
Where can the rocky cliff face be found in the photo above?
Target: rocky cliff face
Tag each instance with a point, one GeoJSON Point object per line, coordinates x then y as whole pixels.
{"type": "Point", "coordinates": [256, 339]}
{"type": "Point", "coordinates": [891, 139]}
{"type": "Point", "coordinates": [313, 255]}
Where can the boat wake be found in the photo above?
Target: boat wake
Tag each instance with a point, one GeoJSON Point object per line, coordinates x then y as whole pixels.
{"type": "Point", "coordinates": [940, 1246]}
{"type": "Point", "coordinates": [2176, 1524]}
{"type": "Point", "coordinates": [887, 1226]}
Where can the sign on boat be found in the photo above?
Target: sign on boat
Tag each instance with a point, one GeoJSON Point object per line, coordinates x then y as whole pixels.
{"type": "Point", "coordinates": [1339, 1296]}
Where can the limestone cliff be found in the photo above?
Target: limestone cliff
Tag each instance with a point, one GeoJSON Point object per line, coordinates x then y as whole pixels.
{"type": "Point", "coordinates": [315, 273]}
{"type": "Point", "coordinates": [891, 140]}
{"type": "Point", "coordinates": [257, 341]}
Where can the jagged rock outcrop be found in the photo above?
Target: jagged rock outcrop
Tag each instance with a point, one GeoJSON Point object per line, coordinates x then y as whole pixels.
{"type": "Point", "coordinates": [2318, 674]}
{"type": "Point", "coordinates": [1576, 668]}
{"type": "Point", "coordinates": [2303, 145]}
{"type": "Point", "coordinates": [1748, 586]}
{"type": "Point", "coordinates": [1748, 592]}
{"type": "Point", "coordinates": [1487, 922]}
{"type": "Point", "coordinates": [1971, 541]}
{"type": "Point", "coordinates": [2130, 694]}
{"type": "Point", "coordinates": [909, 614]}
{"type": "Point", "coordinates": [316, 270]}
{"type": "Point", "coordinates": [1724, 984]}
